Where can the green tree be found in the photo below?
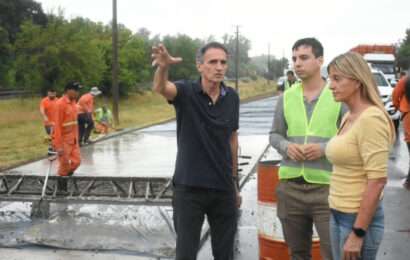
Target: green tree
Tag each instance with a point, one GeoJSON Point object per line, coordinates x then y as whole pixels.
{"type": "Point", "coordinates": [14, 12]}
{"type": "Point", "coordinates": [134, 63]}
{"type": "Point", "coordinates": [134, 60]}
{"type": "Point", "coordinates": [51, 56]}
{"type": "Point", "coordinates": [6, 57]}
{"type": "Point", "coordinates": [403, 55]}
{"type": "Point", "coordinates": [185, 47]}
{"type": "Point", "coordinates": [244, 61]}
{"type": "Point", "coordinates": [275, 69]}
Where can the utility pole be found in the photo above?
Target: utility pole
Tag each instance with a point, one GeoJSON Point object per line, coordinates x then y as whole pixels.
{"type": "Point", "coordinates": [283, 61]}
{"type": "Point", "coordinates": [237, 60]}
{"type": "Point", "coordinates": [114, 88]}
{"type": "Point", "coordinates": [269, 72]}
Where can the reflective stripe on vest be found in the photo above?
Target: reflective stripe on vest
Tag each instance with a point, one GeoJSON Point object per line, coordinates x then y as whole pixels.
{"type": "Point", "coordinates": [70, 123]}
{"type": "Point", "coordinates": [320, 128]}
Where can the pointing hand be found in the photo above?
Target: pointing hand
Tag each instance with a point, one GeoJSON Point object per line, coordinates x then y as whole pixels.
{"type": "Point", "coordinates": [162, 58]}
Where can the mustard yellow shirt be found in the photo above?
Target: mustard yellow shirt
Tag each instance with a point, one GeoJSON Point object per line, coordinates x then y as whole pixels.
{"type": "Point", "coordinates": [359, 154]}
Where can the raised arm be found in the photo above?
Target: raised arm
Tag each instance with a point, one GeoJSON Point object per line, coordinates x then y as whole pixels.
{"type": "Point", "coordinates": [162, 59]}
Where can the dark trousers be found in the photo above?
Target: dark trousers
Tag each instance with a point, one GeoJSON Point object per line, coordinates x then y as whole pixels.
{"type": "Point", "coordinates": [48, 129]}
{"type": "Point", "coordinates": [190, 207]}
{"type": "Point", "coordinates": [49, 132]}
{"type": "Point", "coordinates": [85, 126]}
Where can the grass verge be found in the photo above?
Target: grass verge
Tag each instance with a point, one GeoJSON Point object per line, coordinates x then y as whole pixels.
{"type": "Point", "coordinates": [22, 132]}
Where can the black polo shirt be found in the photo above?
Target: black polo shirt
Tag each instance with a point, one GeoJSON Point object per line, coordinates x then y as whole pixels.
{"type": "Point", "coordinates": [203, 136]}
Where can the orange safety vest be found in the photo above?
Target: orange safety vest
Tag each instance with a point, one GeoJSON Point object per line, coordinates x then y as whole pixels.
{"type": "Point", "coordinates": [66, 129]}
{"type": "Point", "coordinates": [49, 106]}
{"type": "Point", "coordinates": [399, 96]}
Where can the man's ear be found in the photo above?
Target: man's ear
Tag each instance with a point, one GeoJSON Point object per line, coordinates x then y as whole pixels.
{"type": "Point", "coordinates": [199, 66]}
{"type": "Point", "coordinates": [320, 59]}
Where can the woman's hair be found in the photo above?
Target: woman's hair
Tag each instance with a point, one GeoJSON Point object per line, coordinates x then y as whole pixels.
{"type": "Point", "coordinates": [352, 65]}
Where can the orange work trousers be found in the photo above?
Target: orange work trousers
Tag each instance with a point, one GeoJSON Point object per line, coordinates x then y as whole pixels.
{"type": "Point", "coordinates": [406, 126]}
{"type": "Point", "coordinates": [69, 160]}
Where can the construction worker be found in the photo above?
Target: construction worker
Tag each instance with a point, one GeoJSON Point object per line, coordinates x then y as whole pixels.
{"type": "Point", "coordinates": [85, 115]}
{"type": "Point", "coordinates": [401, 100]}
{"type": "Point", "coordinates": [306, 117]}
{"type": "Point", "coordinates": [290, 79]}
{"type": "Point", "coordinates": [103, 119]}
{"type": "Point", "coordinates": [66, 131]}
{"type": "Point", "coordinates": [48, 110]}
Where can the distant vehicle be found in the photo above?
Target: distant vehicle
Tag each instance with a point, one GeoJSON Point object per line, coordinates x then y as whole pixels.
{"type": "Point", "coordinates": [381, 57]}
{"type": "Point", "coordinates": [386, 91]}
{"type": "Point", "coordinates": [323, 72]}
{"type": "Point", "coordinates": [281, 80]}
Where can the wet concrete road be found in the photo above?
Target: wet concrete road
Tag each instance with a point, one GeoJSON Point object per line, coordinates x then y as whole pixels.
{"type": "Point", "coordinates": [133, 154]}
{"type": "Point", "coordinates": [396, 202]}
{"type": "Point", "coordinates": [149, 152]}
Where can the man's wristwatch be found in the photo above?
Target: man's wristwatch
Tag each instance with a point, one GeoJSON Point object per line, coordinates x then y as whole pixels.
{"type": "Point", "coordinates": [359, 232]}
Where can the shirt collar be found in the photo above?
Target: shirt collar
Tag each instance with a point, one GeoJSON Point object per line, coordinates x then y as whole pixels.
{"type": "Point", "coordinates": [318, 96]}
{"type": "Point", "coordinates": [198, 88]}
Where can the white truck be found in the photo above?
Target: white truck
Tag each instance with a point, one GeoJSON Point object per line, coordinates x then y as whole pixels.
{"type": "Point", "coordinates": [385, 63]}
{"type": "Point", "coordinates": [381, 57]}
{"type": "Point", "coordinates": [386, 91]}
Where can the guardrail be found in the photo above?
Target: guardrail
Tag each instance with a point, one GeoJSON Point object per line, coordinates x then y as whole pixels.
{"type": "Point", "coordinates": [11, 93]}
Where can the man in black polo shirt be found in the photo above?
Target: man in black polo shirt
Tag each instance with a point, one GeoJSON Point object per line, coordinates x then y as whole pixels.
{"type": "Point", "coordinates": [205, 178]}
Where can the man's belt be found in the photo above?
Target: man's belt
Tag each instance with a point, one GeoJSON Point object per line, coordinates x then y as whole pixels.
{"type": "Point", "coordinates": [298, 180]}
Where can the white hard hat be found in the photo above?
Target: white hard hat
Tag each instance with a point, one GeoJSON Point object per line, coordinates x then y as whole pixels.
{"type": "Point", "coordinates": [95, 91]}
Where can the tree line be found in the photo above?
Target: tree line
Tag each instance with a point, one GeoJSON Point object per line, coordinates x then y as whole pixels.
{"type": "Point", "coordinates": [39, 51]}
{"type": "Point", "coordinates": [403, 52]}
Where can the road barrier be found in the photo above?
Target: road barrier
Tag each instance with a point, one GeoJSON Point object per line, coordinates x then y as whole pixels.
{"type": "Point", "coordinates": [272, 245]}
{"type": "Point", "coordinates": [10, 93]}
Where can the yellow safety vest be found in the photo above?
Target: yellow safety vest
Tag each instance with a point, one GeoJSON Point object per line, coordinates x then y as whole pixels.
{"type": "Point", "coordinates": [287, 85]}
{"type": "Point", "coordinates": [320, 128]}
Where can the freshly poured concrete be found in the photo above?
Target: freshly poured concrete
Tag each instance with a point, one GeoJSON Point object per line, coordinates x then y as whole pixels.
{"type": "Point", "coordinates": [129, 232]}
{"type": "Point", "coordinates": [149, 152]}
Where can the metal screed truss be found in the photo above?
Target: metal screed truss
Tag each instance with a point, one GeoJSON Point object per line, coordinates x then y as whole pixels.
{"type": "Point", "coordinates": [155, 191]}
{"type": "Point", "coordinates": [86, 189]}
{"type": "Point", "coordinates": [42, 190]}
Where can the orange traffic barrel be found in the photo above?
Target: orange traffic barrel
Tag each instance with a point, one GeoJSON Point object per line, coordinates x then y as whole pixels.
{"type": "Point", "coordinates": [272, 245]}
{"type": "Point", "coordinates": [278, 250]}
{"type": "Point", "coordinates": [268, 179]}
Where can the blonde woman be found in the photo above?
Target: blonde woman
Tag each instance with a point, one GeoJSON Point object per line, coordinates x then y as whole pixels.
{"type": "Point", "coordinates": [359, 154]}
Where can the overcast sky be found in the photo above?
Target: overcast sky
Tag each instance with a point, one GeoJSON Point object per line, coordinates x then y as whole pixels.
{"type": "Point", "coordinates": [338, 24]}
